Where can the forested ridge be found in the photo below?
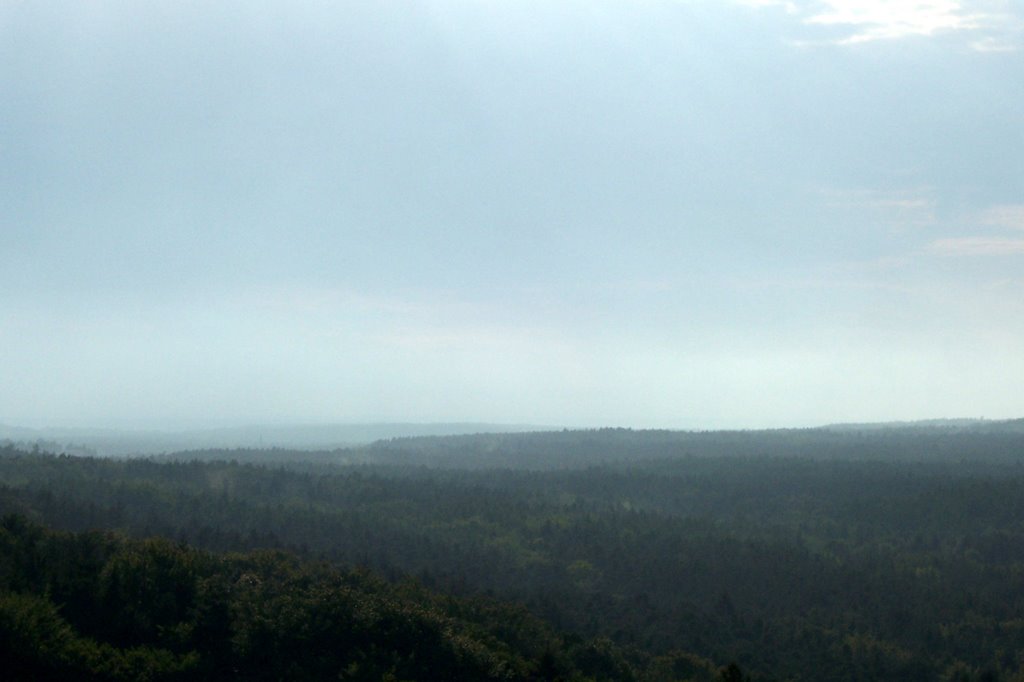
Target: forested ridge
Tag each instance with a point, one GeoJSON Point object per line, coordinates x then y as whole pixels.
{"type": "Point", "coordinates": [901, 559]}
{"type": "Point", "coordinates": [98, 605]}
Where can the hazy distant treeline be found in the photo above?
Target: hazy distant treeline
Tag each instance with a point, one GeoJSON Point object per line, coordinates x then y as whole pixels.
{"type": "Point", "coordinates": [142, 442]}
{"type": "Point", "coordinates": [977, 443]}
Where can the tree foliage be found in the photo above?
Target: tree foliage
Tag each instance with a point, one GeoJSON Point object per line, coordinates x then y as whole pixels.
{"type": "Point", "coordinates": [877, 564]}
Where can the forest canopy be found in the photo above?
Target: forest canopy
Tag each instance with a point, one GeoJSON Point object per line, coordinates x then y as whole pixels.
{"type": "Point", "coordinates": [867, 555]}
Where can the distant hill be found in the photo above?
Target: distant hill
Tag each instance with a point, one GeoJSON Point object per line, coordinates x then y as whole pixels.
{"type": "Point", "coordinates": [978, 424]}
{"type": "Point", "coordinates": [518, 445]}
{"type": "Point", "coordinates": [995, 441]}
{"type": "Point", "coordinates": [115, 442]}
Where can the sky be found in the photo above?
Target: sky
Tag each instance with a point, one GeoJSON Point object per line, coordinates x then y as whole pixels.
{"type": "Point", "coordinates": [644, 213]}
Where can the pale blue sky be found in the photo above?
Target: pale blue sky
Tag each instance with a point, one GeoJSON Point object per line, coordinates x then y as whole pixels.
{"type": "Point", "coordinates": [642, 213]}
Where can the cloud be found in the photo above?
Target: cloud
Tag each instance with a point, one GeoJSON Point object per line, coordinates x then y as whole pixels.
{"type": "Point", "coordinates": [976, 246]}
{"type": "Point", "coordinates": [790, 7]}
{"type": "Point", "coordinates": [902, 208]}
{"type": "Point", "coordinates": [884, 19]}
{"type": "Point", "coordinates": [1007, 215]}
{"type": "Point", "coordinates": [994, 25]}
{"type": "Point", "coordinates": [995, 44]}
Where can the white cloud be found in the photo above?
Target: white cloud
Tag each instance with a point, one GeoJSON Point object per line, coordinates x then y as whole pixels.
{"type": "Point", "coordinates": [903, 208]}
{"type": "Point", "coordinates": [993, 25]}
{"type": "Point", "coordinates": [1007, 215]}
{"type": "Point", "coordinates": [790, 7]}
{"type": "Point", "coordinates": [995, 44]}
{"type": "Point", "coordinates": [881, 19]}
{"type": "Point", "coordinates": [976, 246]}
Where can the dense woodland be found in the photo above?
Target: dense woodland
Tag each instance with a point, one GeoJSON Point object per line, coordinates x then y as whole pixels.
{"type": "Point", "coordinates": [842, 554]}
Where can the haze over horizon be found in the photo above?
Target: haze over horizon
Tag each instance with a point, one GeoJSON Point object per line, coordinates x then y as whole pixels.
{"type": "Point", "coordinates": [675, 213]}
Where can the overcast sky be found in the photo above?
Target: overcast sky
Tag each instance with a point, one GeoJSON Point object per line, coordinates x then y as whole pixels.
{"type": "Point", "coordinates": [671, 213]}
